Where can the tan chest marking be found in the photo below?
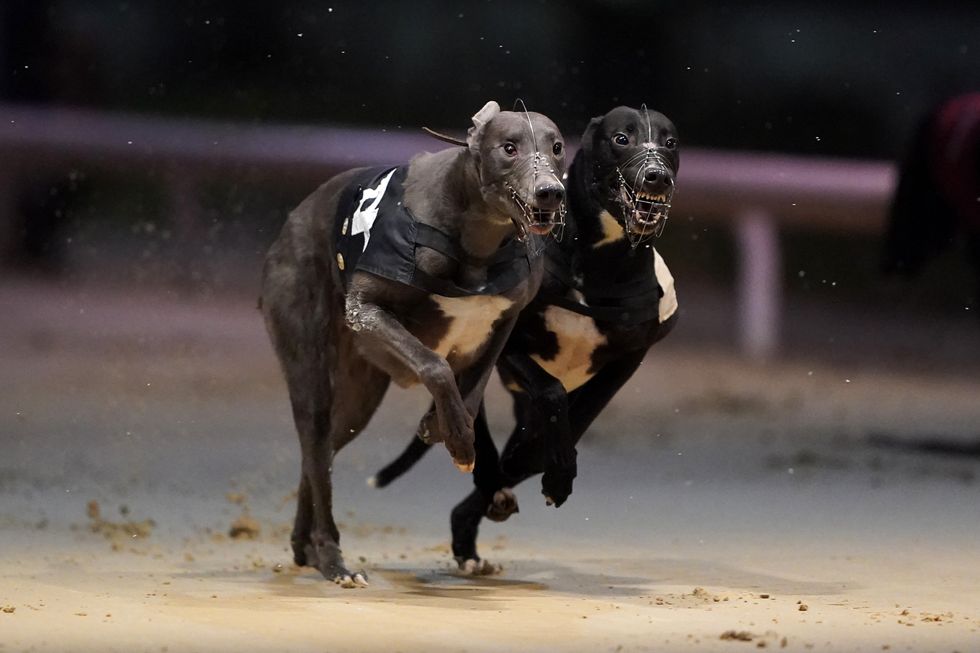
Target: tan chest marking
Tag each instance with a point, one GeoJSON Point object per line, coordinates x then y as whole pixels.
{"type": "Point", "coordinates": [612, 231]}
{"type": "Point", "coordinates": [577, 337]}
{"type": "Point", "coordinates": [668, 303]}
{"type": "Point", "coordinates": [470, 322]}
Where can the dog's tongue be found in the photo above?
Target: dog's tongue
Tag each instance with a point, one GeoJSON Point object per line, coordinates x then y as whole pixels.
{"type": "Point", "coordinates": [541, 229]}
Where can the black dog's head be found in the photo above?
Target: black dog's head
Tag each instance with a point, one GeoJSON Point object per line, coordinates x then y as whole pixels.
{"type": "Point", "coordinates": [520, 158]}
{"type": "Point", "coordinates": [635, 155]}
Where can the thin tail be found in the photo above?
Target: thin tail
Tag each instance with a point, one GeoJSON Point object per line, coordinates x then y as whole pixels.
{"type": "Point", "coordinates": [404, 462]}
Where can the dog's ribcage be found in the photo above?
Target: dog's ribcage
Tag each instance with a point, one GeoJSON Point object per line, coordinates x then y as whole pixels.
{"type": "Point", "coordinates": [578, 336]}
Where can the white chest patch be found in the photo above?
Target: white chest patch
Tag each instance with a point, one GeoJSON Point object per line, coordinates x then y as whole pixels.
{"type": "Point", "coordinates": [578, 337]}
{"type": "Point", "coordinates": [612, 231]}
{"type": "Point", "coordinates": [668, 303]}
{"type": "Point", "coordinates": [470, 322]}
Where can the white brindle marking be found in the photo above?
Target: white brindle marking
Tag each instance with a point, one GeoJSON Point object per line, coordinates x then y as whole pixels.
{"type": "Point", "coordinates": [470, 323]}
{"type": "Point", "coordinates": [612, 231]}
{"type": "Point", "coordinates": [668, 303]}
{"type": "Point", "coordinates": [578, 338]}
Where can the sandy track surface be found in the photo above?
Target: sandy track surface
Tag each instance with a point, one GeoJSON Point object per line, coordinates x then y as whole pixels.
{"type": "Point", "coordinates": [713, 498]}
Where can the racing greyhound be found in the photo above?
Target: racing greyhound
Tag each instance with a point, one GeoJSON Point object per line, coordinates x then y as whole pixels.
{"type": "Point", "coordinates": [606, 298]}
{"type": "Point", "coordinates": [414, 274]}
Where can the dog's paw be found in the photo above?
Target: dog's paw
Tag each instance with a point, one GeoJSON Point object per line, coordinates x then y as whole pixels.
{"type": "Point", "coordinates": [462, 451]}
{"type": "Point", "coordinates": [556, 485]}
{"type": "Point", "coordinates": [428, 430]}
{"type": "Point", "coordinates": [477, 567]}
{"type": "Point", "coordinates": [456, 428]}
{"type": "Point", "coordinates": [503, 505]}
{"type": "Point", "coordinates": [349, 580]}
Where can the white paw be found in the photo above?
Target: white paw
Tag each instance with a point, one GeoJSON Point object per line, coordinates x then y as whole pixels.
{"type": "Point", "coordinates": [473, 567]}
{"type": "Point", "coordinates": [350, 581]}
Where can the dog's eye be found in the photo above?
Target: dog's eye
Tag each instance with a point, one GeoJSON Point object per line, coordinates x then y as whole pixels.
{"type": "Point", "coordinates": [510, 149]}
{"type": "Point", "coordinates": [557, 149]}
{"type": "Point", "coordinates": [621, 139]}
{"type": "Point", "coordinates": [671, 143]}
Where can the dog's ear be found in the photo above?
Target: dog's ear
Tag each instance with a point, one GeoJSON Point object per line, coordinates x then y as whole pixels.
{"type": "Point", "coordinates": [480, 121]}
{"type": "Point", "coordinates": [588, 138]}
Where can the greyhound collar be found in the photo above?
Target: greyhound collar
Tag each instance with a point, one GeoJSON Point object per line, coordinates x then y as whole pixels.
{"type": "Point", "coordinates": [376, 233]}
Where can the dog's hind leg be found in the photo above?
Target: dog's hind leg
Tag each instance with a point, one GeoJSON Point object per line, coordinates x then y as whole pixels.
{"type": "Point", "coordinates": [330, 403]}
{"type": "Point", "coordinates": [299, 539]}
{"type": "Point", "coordinates": [328, 415]}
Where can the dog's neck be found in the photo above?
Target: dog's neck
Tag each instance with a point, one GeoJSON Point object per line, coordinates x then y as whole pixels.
{"type": "Point", "coordinates": [445, 193]}
{"type": "Point", "coordinates": [601, 253]}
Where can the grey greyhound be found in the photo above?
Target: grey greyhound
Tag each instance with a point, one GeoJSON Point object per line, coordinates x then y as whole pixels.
{"type": "Point", "coordinates": [414, 274]}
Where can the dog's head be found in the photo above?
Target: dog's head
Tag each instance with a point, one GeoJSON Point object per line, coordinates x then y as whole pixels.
{"type": "Point", "coordinates": [520, 158]}
{"type": "Point", "coordinates": [635, 156]}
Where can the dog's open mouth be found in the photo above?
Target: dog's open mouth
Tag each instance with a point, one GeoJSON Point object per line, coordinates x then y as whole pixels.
{"type": "Point", "coordinates": [534, 220]}
{"type": "Point", "coordinates": [645, 213]}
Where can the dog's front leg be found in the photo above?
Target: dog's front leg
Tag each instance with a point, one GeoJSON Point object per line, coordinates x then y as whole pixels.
{"type": "Point", "coordinates": [472, 384]}
{"type": "Point", "coordinates": [377, 330]}
{"type": "Point", "coordinates": [473, 381]}
{"type": "Point", "coordinates": [548, 428]}
{"type": "Point", "coordinates": [587, 401]}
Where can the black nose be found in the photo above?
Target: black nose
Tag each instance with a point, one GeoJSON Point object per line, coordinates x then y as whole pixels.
{"type": "Point", "coordinates": [549, 196]}
{"type": "Point", "coordinates": [657, 180]}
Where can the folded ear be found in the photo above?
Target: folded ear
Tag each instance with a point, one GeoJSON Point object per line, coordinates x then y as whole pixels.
{"type": "Point", "coordinates": [480, 121]}
{"type": "Point", "coordinates": [588, 138]}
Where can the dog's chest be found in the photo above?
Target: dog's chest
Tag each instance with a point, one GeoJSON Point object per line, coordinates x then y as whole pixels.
{"type": "Point", "coordinates": [577, 338]}
{"type": "Point", "coordinates": [466, 325]}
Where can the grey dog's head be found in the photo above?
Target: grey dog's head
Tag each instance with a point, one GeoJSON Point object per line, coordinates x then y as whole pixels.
{"type": "Point", "coordinates": [635, 156]}
{"type": "Point", "coordinates": [520, 158]}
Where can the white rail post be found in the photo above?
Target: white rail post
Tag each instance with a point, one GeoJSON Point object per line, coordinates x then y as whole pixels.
{"type": "Point", "coordinates": [759, 291]}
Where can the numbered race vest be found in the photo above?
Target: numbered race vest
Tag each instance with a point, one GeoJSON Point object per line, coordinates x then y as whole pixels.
{"type": "Point", "coordinates": [376, 233]}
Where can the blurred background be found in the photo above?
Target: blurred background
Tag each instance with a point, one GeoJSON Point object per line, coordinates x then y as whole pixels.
{"type": "Point", "coordinates": [153, 150]}
{"type": "Point", "coordinates": [845, 79]}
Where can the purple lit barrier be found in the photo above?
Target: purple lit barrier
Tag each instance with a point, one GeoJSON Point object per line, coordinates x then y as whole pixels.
{"type": "Point", "coordinates": [754, 192]}
{"type": "Point", "coordinates": [757, 193]}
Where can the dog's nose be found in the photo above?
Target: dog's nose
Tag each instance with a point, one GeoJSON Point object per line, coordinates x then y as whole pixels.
{"type": "Point", "coordinates": [657, 180]}
{"type": "Point", "coordinates": [653, 175]}
{"type": "Point", "coordinates": [549, 196]}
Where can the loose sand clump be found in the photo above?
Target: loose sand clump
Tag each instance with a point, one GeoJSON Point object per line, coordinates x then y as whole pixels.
{"type": "Point", "coordinates": [245, 528]}
{"type": "Point", "coordinates": [737, 636]}
{"type": "Point", "coordinates": [699, 594]}
{"type": "Point", "coordinates": [118, 533]}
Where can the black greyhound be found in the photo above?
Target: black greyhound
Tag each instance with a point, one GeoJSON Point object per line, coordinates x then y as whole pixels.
{"type": "Point", "coordinates": [414, 274]}
{"type": "Point", "coordinates": [606, 298]}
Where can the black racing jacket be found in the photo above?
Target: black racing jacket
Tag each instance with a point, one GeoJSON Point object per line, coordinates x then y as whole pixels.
{"type": "Point", "coordinates": [375, 232]}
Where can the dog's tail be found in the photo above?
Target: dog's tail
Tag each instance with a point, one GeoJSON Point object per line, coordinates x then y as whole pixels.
{"type": "Point", "coordinates": [404, 462]}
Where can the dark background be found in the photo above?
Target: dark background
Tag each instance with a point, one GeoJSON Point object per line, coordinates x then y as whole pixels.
{"type": "Point", "coordinates": [846, 79]}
